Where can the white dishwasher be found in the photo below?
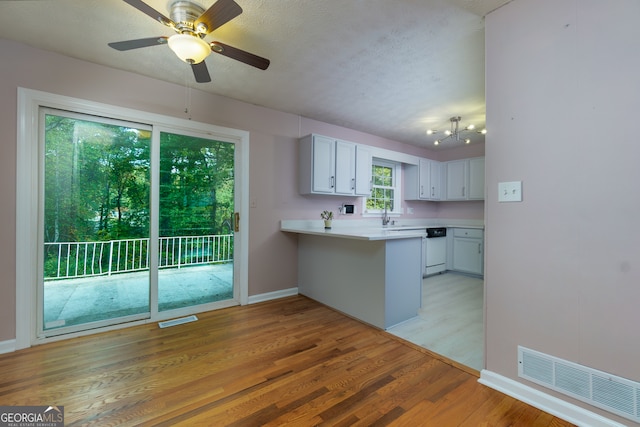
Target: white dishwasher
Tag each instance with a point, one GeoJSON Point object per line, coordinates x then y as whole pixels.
{"type": "Point", "coordinates": [436, 250]}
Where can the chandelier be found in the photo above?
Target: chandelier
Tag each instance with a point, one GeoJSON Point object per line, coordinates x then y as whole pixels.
{"type": "Point", "coordinates": [455, 132]}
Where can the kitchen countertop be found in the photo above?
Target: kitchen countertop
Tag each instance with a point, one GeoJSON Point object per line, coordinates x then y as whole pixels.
{"type": "Point", "coordinates": [360, 233]}
{"type": "Point", "coordinates": [370, 230]}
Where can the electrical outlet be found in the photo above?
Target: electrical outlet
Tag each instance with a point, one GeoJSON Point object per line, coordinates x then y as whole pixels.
{"type": "Point", "coordinates": [510, 191]}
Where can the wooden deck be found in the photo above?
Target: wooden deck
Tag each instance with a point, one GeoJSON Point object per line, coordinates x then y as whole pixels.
{"type": "Point", "coordinates": [286, 362]}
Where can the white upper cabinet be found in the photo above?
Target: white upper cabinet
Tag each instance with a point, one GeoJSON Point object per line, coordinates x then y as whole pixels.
{"type": "Point", "coordinates": [422, 181]}
{"type": "Point", "coordinates": [436, 180]}
{"type": "Point", "coordinates": [317, 165]}
{"type": "Point", "coordinates": [364, 161]}
{"type": "Point", "coordinates": [476, 178]}
{"type": "Point", "coordinates": [345, 167]}
{"type": "Point", "coordinates": [465, 179]}
{"type": "Point", "coordinates": [332, 166]}
{"type": "Point", "coordinates": [457, 186]}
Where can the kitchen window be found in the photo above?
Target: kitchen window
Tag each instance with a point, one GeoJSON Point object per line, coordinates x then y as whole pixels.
{"type": "Point", "coordinates": [385, 189]}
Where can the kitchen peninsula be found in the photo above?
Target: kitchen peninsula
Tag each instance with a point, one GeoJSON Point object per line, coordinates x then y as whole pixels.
{"type": "Point", "coordinates": [373, 274]}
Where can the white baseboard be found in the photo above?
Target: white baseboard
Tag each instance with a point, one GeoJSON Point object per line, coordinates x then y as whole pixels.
{"type": "Point", "coordinates": [8, 346]}
{"type": "Point", "coordinates": [273, 295]}
{"type": "Point", "coordinates": [545, 402]}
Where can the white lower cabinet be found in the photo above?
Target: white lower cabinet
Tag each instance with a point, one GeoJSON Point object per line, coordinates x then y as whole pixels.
{"type": "Point", "coordinates": [468, 250]}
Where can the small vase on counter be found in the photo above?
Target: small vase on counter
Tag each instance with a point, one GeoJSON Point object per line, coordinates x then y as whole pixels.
{"type": "Point", "coordinates": [327, 216]}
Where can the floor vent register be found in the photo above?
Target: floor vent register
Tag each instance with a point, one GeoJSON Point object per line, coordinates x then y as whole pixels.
{"type": "Point", "coordinates": [180, 321]}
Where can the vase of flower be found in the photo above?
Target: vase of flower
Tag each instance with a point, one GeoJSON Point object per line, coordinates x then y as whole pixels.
{"type": "Point", "coordinates": [327, 216]}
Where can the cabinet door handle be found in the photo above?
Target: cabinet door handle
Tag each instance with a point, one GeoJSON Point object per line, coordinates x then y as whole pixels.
{"type": "Point", "coordinates": [479, 248]}
{"type": "Point", "coordinates": [422, 190]}
{"type": "Point", "coordinates": [463, 191]}
{"type": "Point", "coordinates": [433, 191]}
{"type": "Point", "coordinates": [353, 183]}
{"type": "Point", "coordinates": [332, 181]}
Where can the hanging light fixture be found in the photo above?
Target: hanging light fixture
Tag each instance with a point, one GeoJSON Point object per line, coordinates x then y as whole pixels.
{"type": "Point", "coordinates": [188, 44]}
{"type": "Point", "coordinates": [455, 132]}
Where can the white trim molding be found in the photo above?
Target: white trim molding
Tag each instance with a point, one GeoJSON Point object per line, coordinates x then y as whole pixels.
{"type": "Point", "coordinates": [8, 346]}
{"type": "Point", "coordinates": [545, 402]}
{"type": "Point", "coordinates": [268, 296]}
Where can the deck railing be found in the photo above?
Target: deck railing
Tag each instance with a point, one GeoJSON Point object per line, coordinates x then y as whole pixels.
{"type": "Point", "coordinates": [64, 260]}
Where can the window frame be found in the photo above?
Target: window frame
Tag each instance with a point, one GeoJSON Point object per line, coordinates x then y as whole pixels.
{"type": "Point", "coordinates": [397, 190]}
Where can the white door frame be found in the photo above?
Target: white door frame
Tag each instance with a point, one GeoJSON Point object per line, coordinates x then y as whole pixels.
{"type": "Point", "coordinates": [28, 174]}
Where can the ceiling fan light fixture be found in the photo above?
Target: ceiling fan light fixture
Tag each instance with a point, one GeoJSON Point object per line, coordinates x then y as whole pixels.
{"type": "Point", "coordinates": [190, 49]}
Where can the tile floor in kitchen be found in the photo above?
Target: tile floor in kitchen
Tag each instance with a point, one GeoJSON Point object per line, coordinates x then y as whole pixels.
{"type": "Point", "coordinates": [450, 321]}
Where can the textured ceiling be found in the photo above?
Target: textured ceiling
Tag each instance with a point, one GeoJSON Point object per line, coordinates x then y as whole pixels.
{"type": "Point", "coordinates": [392, 68]}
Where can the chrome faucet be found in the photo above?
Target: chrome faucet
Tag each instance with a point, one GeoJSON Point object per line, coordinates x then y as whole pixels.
{"type": "Point", "coordinates": [385, 217]}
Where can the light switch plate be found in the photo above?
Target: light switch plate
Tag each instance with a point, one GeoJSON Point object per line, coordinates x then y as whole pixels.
{"type": "Point", "coordinates": [510, 191]}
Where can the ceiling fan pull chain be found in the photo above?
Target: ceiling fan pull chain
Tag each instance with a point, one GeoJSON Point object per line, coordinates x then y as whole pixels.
{"type": "Point", "coordinates": [187, 95]}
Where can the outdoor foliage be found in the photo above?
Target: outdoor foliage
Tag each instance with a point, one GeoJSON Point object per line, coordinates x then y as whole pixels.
{"type": "Point", "coordinates": [97, 184]}
{"type": "Point", "coordinates": [382, 191]}
{"type": "Point", "coordinates": [96, 181]}
{"type": "Point", "coordinates": [196, 186]}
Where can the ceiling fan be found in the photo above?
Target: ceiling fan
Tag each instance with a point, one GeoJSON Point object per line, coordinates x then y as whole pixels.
{"type": "Point", "coordinates": [192, 23]}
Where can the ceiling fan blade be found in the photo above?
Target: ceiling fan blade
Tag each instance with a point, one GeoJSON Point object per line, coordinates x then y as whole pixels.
{"type": "Point", "coordinates": [218, 14]}
{"type": "Point", "coordinates": [200, 72]}
{"type": "Point", "coordinates": [138, 43]}
{"type": "Point", "coordinates": [148, 10]}
{"type": "Point", "coordinates": [240, 55]}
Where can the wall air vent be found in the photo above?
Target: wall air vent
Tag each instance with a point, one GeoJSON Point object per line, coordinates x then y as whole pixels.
{"type": "Point", "coordinates": [606, 391]}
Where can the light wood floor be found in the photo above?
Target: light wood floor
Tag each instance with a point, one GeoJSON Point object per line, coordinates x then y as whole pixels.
{"type": "Point", "coordinates": [286, 362]}
{"type": "Point", "coordinates": [450, 321]}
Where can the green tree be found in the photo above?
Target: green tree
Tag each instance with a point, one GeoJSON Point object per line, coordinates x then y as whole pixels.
{"type": "Point", "coordinates": [96, 180]}
{"type": "Point", "coordinates": [196, 185]}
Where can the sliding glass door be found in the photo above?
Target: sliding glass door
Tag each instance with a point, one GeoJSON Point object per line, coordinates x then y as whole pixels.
{"type": "Point", "coordinates": [127, 234]}
{"type": "Point", "coordinates": [195, 242]}
{"type": "Point", "coordinates": [95, 230]}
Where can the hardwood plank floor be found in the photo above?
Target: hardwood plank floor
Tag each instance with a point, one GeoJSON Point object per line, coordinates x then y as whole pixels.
{"type": "Point", "coordinates": [291, 361]}
{"type": "Point", "coordinates": [450, 322]}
